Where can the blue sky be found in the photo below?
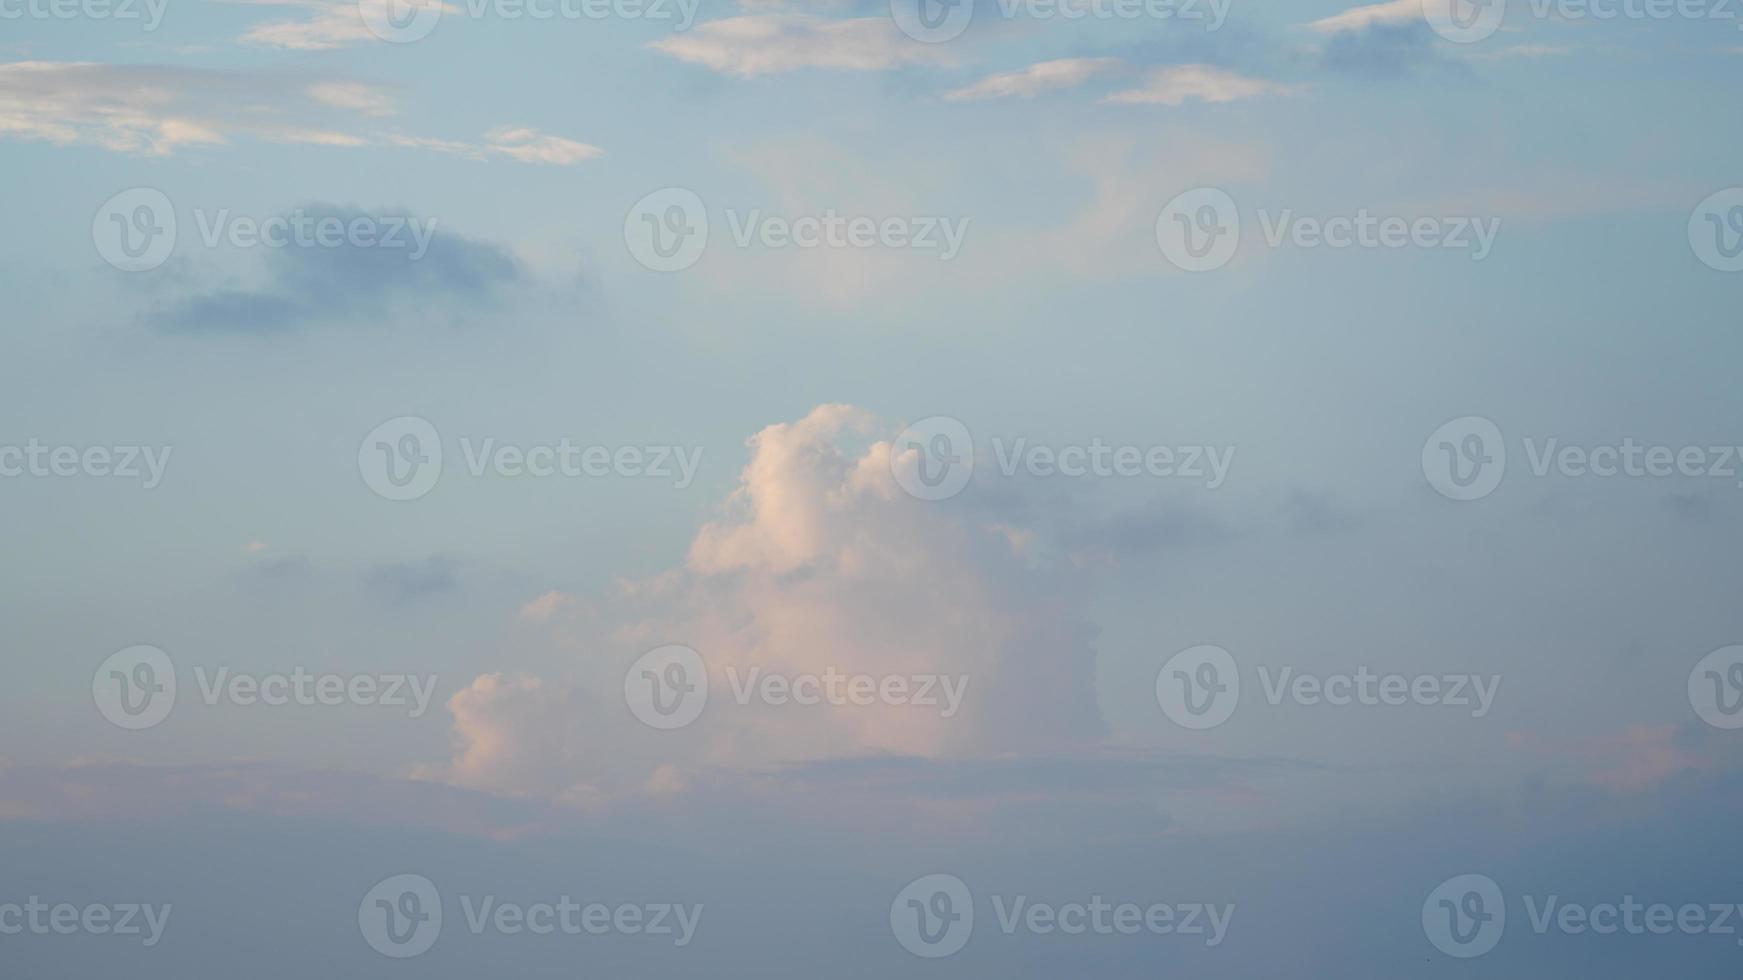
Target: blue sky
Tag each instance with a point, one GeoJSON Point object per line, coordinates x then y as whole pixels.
{"type": "Point", "coordinates": [1316, 484]}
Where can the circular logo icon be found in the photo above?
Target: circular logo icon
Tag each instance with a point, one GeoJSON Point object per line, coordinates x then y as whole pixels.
{"type": "Point", "coordinates": [932, 21]}
{"type": "Point", "coordinates": [401, 459]}
{"type": "Point", "coordinates": [1464, 21]}
{"type": "Point", "coordinates": [1199, 687]}
{"type": "Point", "coordinates": [135, 230]}
{"type": "Point", "coordinates": [1199, 230]}
{"type": "Point", "coordinates": [667, 687]}
{"type": "Point", "coordinates": [1465, 916]}
{"type": "Point", "coordinates": [667, 230]}
{"type": "Point", "coordinates": [135, 688]}
{"type": "Point", "coordinates": [1465, 458]}
{"type": "Point", "coordinates": [933, 459]}
{"type": "Point", "coordinates": [933, 916]}
{"type": "Point", "coordinates": [401, 916]}
{"type": "Point", "coordinates": [400, 21]}
{"type": "Point", "coordinates": [1716, 688]}
{"type": "Point", "coordinates": [1716, 230]}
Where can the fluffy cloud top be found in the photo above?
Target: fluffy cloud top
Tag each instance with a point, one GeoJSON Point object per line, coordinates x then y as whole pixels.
{"type": "Point", "coordinates": [1371, 15]}
{"type": "Point", "coordinates": [157, 110]}
{"type": "Point", "coordinates": [820, 563]}
{"type": "Point", "coordinates": [766, 44]}
{"type": "Point", "coordinates": [1178, 84]}
{"type": "Point", "coordinates": [1046, 76]}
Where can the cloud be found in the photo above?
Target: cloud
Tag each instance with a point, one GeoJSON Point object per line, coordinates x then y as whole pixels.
{"type": "Point", "coordinates": [1390, 13]}
{"type": "Point", "coordinates": [330, 23]}
{"type": "Point", "coordinates": [1046, 76]}
{"type": "Point", "coordinates": [767, 44]}
{"type": "Point", "coordinates": [156, 110]}
{"type": "Point", "coordinates": [819, 563]}
{"type": "Point", "coordinates": [516, 142]}
{"type": "Point", "coordinates": [518, 736]}
{"type": "Point", "coordinates": [350, 95]}
{"type": "Point", "coordinates": [1639, 759]}
{"type": "Point", "coordinates": [303, 284]}
{"type": "Point", "coordinates": [407, 581]}
{"type": "Point", "coordinates": [544, 607]}
{"type": "Point", "coordinates": [1178, 84]}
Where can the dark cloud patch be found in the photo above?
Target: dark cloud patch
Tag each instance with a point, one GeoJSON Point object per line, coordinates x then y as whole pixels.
{"type": "Point", "coordinates": [1315, 513]}
{"type": "Point", "coordinates": [409, 581]}
{"type": "Point", "coordinates": [380, 264]}
{"type": "Point", "coordinates": [1383, 51]}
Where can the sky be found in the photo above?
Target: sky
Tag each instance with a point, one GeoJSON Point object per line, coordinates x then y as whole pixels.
{"type": "Point", "coordinates": [992, 488]}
